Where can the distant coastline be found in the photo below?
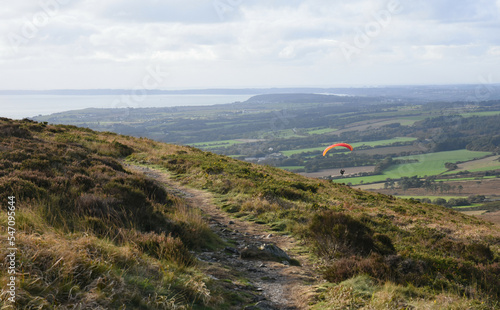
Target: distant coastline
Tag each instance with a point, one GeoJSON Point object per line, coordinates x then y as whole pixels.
{"type": "Point", "coordinates": [20, 104]}
{"type": "Point", "coordinates": [446, 92]}
{"type": "Point", "coordinates": [29, 105]}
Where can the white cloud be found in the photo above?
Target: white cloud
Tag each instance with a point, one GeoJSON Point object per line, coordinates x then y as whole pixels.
{"type": "Point", "coordinates": [250, 43]}
{"type": "Point", "coordinates": [494, 51]}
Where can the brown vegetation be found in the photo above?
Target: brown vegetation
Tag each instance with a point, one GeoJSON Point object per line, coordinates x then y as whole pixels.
{"type": "Point", "coordinates": [93, 233]}
{"type": "Point", "coordinates": [89, 233]}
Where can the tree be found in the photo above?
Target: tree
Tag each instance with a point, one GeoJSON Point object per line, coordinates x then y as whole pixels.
{"type": "Point", "coordinates": [439, 201]}
{"type": "Point", "coordinates": [451, 166]}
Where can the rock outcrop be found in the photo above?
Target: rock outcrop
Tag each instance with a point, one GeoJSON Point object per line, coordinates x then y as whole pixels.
{"type": "Point", "coordinates": [266, 252]}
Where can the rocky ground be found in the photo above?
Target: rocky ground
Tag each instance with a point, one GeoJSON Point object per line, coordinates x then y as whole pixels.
{"type": "Point", "coordinates": [268, 268]}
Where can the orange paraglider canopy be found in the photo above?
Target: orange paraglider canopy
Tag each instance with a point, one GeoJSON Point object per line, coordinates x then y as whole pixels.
{"type": "Point", "coordinates": [335, 145]}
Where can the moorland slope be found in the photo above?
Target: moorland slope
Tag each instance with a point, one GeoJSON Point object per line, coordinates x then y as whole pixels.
{"type": "Point", "coordinates": [91, 232]}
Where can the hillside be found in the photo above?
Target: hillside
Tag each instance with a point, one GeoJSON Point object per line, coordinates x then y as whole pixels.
{"type": "Point", "coordinates": [104, 221]}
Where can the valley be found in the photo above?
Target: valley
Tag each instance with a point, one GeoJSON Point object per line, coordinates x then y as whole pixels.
{"type": "Point", "coordinates": [394, 136]}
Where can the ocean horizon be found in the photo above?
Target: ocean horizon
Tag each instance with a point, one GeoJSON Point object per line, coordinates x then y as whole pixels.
{"type": "Point", "coordinates": [27, 106]}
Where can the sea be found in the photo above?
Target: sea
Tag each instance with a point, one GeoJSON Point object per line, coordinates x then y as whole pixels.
{"type": "Point", "coordinates": [26, 106]}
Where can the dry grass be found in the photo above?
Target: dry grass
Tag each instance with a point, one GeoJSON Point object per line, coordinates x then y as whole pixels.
{"type": "Point", "coordinates": [97, 235]}
{"type": "Point", "coordinates": [91, 235]}
{"type": "Point", "coordinates": [366, 294]}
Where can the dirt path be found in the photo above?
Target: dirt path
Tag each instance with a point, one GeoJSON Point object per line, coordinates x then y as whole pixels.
{"type": "Point", "coordinates": [273, 285]}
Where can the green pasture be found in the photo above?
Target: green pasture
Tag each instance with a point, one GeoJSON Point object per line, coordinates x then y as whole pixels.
{"type": "Point", "coordinates": [399, 112]}
{"type": "Point", "coordinates": [291, 168]}
{"type": "Point", "coordinates": [469, 206]}
{"type": "Point", "coordinates": [405, 118]}
{"type": "Point", "coordinates": [287, 133]}
{"type": "Point", "coordinates": [320, 149]}
{"type": "Point", "coordinates": [426, 165]}
{"type": "Point", "coordinates": [320, 131]}
{"type": "Point", "coordinates": [467, 179]}
{"type": "Point", "coordinates": [429, 197]}
{"type": "Point", "coordinates": [214, 144]}
{"type": "Point", "coordinates": [485, 164]}
{"type": "Point", "coordinates": [406, 121]}
{"type": "Point", "coordinates": [484, 113]}
{"type": "Point", "coordinates": [383, 142]}
{"type": "Point", "coordinates": [493, 166]}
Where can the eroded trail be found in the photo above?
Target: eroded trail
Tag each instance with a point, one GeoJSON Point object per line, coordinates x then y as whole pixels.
{"type": "Point", "coordinates": [272, 285]}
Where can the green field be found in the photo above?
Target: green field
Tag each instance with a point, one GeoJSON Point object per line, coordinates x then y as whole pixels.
{"type": "Point", "coordinates": [384, 142]}
{"type": "Point", "coordinates": [427, 165]}
{"type": "Point", "coordinates": [468, 178]}
{"type": "Point", "coordinates": [291, 168]}
{"type": "Point", "coordinates": [483, 164]}
{"type": "Point", "coordinates": [287, 133]}
{"type": "Point", "coordinates": [429, 197]}
{"type": "Point", "coordinates": [214, 144]}
{"type": "Point", "coordinates": [485, 113]}
{"type": "Point", "coordinates": [410, 120]}
{"type": "Point", "coordinates": [469, 206]}
{"type": "Point", "coordinates": [320, 149]}
{"type": "Point", "coordinates": [481, 169]}
{"type": "Point", "coordinates": [319, 131]}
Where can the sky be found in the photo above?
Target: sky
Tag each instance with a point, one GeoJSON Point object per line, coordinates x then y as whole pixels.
{"type": "Point", "coordinates": [186, 44]}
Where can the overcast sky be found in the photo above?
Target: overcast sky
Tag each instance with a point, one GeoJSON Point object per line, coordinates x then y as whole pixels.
{"type": "Point", "coordinates": [179, 44]}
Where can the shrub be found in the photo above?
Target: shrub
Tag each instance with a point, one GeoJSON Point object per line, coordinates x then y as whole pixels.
{"type": "Point", "coordinates": [336, 234]}
{"type": "Point", "coordinates": [35, 164]}
{"type": "Point", "coordinates": [152, 189]}
{"type": "Point", "coordinates": [94, 206]}
{"type": "Point", "coordinates": [82, 181]}
{"type": "Point", "coordinates": [348, 267]}
{"type": "Point", "coordinates": [14, 130]}
{"type": "Point", "coordinates": [192, 228]}
{"type": "Point", "coordinates": [164, 247]}
{"type": "Point", "coordinates": [38, 178]}
{"type": "Point", "coordinates": [270, 193]}
{"type": "Point", "coordinates": [5, 166]}
{"type": "Point", "coordinates": [383, 244]}
{"type": "Point", "coordinates": [479, 252]}
{"type": "Point", "coordinates": [20, 188]}
{"type": "Point", "coordinates": [123, 150]}
{"type": "Point", "coordinates": [313, 188]}
{"type": "Point", "coordinates": [439, 201]}
{"type": "Point", "coordinates": [17, 156]}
